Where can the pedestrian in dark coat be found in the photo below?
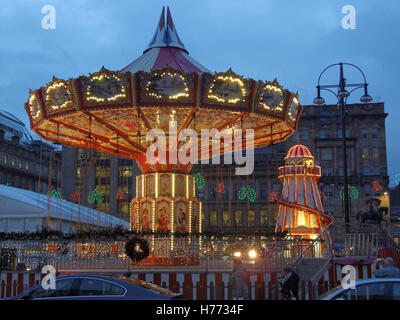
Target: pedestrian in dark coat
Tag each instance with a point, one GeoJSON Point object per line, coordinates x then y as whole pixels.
{"type": "Point", "coordinates": [290, 284]}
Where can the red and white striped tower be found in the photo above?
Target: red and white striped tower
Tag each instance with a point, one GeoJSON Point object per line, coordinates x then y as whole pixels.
{"type": "Point", "coordinates": [300, 207]}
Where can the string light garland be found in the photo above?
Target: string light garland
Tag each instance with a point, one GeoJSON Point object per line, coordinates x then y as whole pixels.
{"type": "Point", "coordinates": [272, 98]}
{"type": "Point", "coordinates": [212, 94]}
{"type": "Point", "coordinates": [105, 78]}
{"type": "Point", "coordinates": [174, 75]}
{"type": "Point", "coordinates": [34, 107]}
{"type": "Point", "coordinates": [61, 93]}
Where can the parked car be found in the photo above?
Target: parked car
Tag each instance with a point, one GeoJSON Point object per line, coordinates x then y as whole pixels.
{"type": "Point", "coordinates": [369, 289]}
{"type": "Point", "coordinates": [90, 287]}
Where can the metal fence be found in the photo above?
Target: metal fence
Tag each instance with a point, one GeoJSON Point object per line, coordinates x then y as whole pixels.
{"type": "Point", "coordinates": [200, 253]}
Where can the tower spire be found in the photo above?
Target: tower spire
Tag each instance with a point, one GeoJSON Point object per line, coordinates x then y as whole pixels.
{"type": "Point", "coordinates": [166, 34]}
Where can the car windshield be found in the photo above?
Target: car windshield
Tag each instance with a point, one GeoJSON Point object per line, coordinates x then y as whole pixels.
{"type": "Point", "coordinates": [155, 288]}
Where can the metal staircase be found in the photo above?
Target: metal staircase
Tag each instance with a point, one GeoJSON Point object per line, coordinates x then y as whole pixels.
{"type": "Point", "coordinates": [311, 268]}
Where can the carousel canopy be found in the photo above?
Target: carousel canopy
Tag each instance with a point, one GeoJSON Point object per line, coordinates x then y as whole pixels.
{"type": "Point", "coordinates": [112, 111]}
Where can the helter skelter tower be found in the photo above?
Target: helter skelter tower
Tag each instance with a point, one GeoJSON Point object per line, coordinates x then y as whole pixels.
{"type": "Point", "coordinates": [167, 90]}
{"type": "Point", "coordinates": [300, 208]}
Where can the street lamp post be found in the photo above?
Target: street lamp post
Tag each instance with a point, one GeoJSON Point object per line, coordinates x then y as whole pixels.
{"type": "Point", "coordinates": [342, 94]}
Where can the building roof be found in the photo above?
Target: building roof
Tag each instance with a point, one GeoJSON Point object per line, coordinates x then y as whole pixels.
{"type": "Point", "coordinates": [165, 48]}
{"type": "Point", "coordinates": [20, 203]}
{"type": "Point", "coordinates": [12, 126]}
{"type": "Point", "coordinates": [298, 150]}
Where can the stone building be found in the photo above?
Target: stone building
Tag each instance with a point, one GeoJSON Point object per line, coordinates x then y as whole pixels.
{"type": "Point", "coordinates": [24, 162]}
{"type": "Point", "coordinates": [84, 170]}
{"type": "Point", "coordinates": [320, 129]}
{"type": "Point", "coordinates": [225, 211]}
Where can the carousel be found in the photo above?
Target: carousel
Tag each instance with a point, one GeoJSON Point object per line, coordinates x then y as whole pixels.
{"type": "Point", "coordinates": [165, 89]}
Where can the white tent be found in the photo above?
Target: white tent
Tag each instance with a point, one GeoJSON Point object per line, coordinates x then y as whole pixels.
{"type": "Point", "coordinates": [22, 210]}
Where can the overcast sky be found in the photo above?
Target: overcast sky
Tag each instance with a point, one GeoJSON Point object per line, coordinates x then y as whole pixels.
{"type": "Point", "coordinates": [290, 40]}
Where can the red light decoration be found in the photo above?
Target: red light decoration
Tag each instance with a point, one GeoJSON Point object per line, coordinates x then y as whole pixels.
{"type": "Point", "coordinates": [272, 197]}
{"type": "Point", "coordinates": [220, 188]}
{"type": "Point", "coordinates": [120, 194]}
{"type": "Point", "coordinates": [74, 196]}
{"type": "Point", "coordinates": [376, 186]}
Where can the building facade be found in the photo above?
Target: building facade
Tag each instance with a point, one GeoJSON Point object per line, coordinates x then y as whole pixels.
{"type": "Point", "coordinates": [85, 170]}
{"type": "Point", "coordinates": [320, 129]}
{"type": "Point", "coordinates": [223, 208]}
{"type": "Point", "coordinates": [25, 163]}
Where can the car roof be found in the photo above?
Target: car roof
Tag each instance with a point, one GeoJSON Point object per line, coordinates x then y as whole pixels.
{"type": "Point", "coordinates": [339, 288]}
{"type": "Point", "coordinates": [124, 280]}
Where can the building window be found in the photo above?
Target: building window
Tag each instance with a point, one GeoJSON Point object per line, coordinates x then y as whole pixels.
{"type": "Point", "coordinates": [250, 218]}
{"type": "Point", "coordinates": [326, 171]}
{"type": "Point", "coordinates": [212, 192]}
{"type": "Point", "coordinates": [366, 171]}
{"type": "Point", "coordinates": [263, 191]}
{"type": "Point", "coordinates": [264, 217]}
{"type": "Point", "coordinates": [304, 135]}
{"type": "Point", "coordinates": [375, 153]}
{"type": "Point", "coordinates": [325, 118]}
{"type": "Point", "coordinates": [322, 134]}
{"type": "Point", "coordinates": [364, 133]}
{"type": "Point", "coordinates": [295, 137]}
{"type": "Point", "coordinates": [213, 217]}
{"type": "Point", "coordinates": [226, 217]}
{"type": "Point", "coordinates": [340, 135]}
{"type": "Point", "coordinates": [367, 190]}
{"type": "Point", "coordinates": [326, 154]}
{"type": "Point", "coordinates": [365, 153]}
{"type": "Point", "coordinates": [238, 217]}
{"type": "Point", "coordinates": [374, 133]}
{"type": "Point", "coordinates": [237, 188]}
{"type": "Point", "coordinates": [329, 191]}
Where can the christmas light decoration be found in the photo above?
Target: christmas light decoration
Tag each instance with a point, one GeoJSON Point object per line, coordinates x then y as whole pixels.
{"type": "Point", "coordinates": [110, 82]}
{"type": "Point", "coordinates": [376, 186]}
{"type": "Point", "coordinates": [247, 192]}
{"type": "Point", "coordinates": [120, 194]}
{"type": "Point", "coordinates": [220, 188]}
{"type": "Point", "coordinates": [199, 180]}
{"type": "Point", "coordinates": [55, 194]}
{"type": "Point", "coordinates": [74, 196]}
{"type": "Point", "coordinates": [352, 190]}
{"type": "Point", "coordinates": [95, 196]}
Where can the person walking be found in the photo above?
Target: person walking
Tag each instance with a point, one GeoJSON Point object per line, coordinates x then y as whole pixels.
{"type": "Point", "coordinates": [240, 290]}
{"type": "Point", "coordinates": [386, 270]}
{"type": "Point", "coordinates": [290, 284]}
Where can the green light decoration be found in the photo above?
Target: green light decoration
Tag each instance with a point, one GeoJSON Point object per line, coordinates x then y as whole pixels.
{"type": "Point", "coordinates": [199, 180]}
{"type": "Point", "coordinates": [352, 190]}
{"type": "Point", "coordinates": [95, 196]}
{"type": "Point", "coordinates": [247, 192]}
{"type": "Point", "coordinates": [55, 194]}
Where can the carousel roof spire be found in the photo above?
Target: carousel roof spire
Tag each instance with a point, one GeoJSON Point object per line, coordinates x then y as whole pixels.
{"type": "Point", "coordinates": [165, 48]}
{"type": "Point", "coordinates": [166, 34]}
